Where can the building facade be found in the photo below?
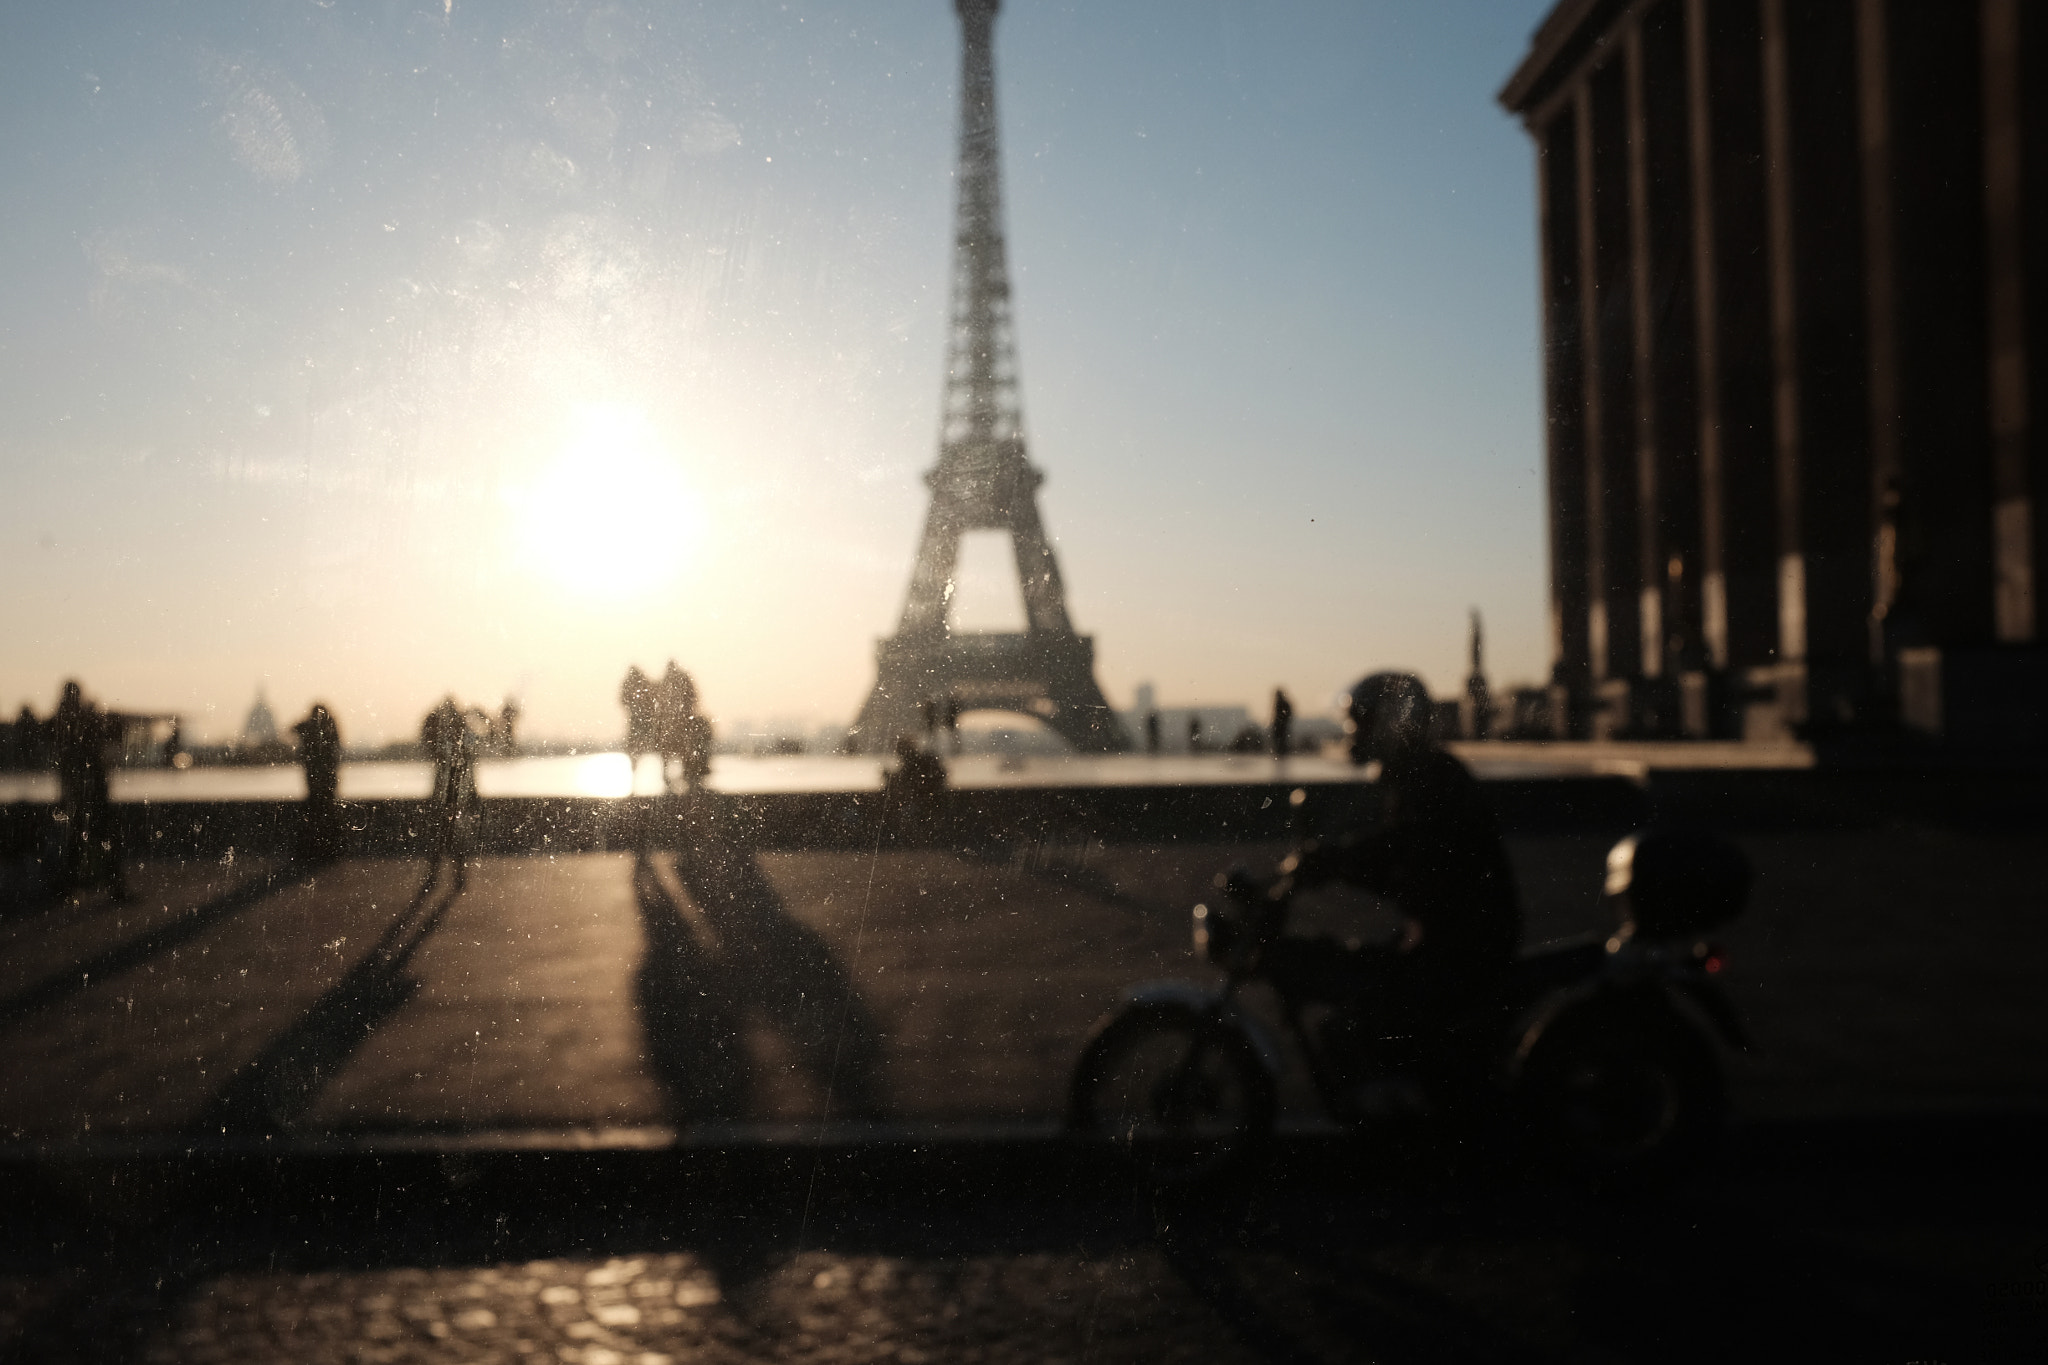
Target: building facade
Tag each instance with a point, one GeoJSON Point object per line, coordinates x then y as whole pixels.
{"type": "Point", "coordinates": [1796, 363]}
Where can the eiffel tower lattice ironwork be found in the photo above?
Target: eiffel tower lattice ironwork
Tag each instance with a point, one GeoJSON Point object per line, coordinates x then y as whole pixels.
{"type": "Point", "coordinates": [982, 481]}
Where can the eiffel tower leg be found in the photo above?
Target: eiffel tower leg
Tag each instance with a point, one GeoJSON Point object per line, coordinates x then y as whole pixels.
{"type": "Point", "coordinates": [1082, 717]}
{"type": "Point", "coordinates": [904, 677]}
{"type": "Point", "coordinates": [1038, 572]}
{"type": "Point", "coordinates": [938, 554]}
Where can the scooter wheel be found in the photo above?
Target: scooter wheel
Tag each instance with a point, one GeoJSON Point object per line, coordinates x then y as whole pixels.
{"type": "Point", "coordinates": [1182, 1096]}
{"type": "Point", "coordinates": [1623, 1102]}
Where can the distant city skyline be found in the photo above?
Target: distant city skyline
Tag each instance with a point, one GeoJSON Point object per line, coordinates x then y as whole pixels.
{"type": "Point", "coordinates": [490, 351]}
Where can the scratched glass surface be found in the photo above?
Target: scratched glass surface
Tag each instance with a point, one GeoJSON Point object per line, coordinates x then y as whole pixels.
{"type": "Point", "coordinates": [705, 680]}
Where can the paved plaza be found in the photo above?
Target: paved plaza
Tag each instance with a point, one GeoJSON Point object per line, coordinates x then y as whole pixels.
{"type": "Point", "coordinates": [599, 991]}
{"type": "Point", "coordinates": [840, 1074]}
{"type": "Point", "coordinates": [695, 989]}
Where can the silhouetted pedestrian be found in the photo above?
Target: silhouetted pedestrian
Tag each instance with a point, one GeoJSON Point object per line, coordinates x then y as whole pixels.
{"type": "Point", "coordinates": [636, 694]}
{"type": "Point", "coordinates": [92, 847]}
{"type": "Point", "coordinates": [1194, 734]}
{"type": "Point", "coordinates": [505, 730]}
{"type": "Point", "coordinates": [451, 746]}
{"type": "Point", "coordinates": [1151, 732]}
{"type": "Point", "coordinates": [1283, 724]}
{"type": "Point", "coordinates": [680, 733]}
{"type": "Point", "coordinates": [915, 790]}
{"type": "Point", "coordinates": [953, 725]}
{"type": "Point", "coordinates": [30, 748]}
{"type": "Point", "coordinates": [678, 691]}
{"type": "Point", "coordinates": [320, 756]}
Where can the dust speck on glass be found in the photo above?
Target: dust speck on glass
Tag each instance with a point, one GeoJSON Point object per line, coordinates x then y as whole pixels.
{"type": "Point", "coordinates": [972, 679]}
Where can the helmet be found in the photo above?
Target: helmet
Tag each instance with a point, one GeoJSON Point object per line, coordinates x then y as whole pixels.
{"type": "Point", "coordinates": [1386, 714]}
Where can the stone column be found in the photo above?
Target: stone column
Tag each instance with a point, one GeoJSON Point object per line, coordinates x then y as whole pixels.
{"type": "Point", "coordinates": [1667, 349]}
{"type": "Point", "coordinates": [2012, 514]}
{"type": "Point", "coordinates": [1880, 257]}
{"type": "Point", "coordinates": [1738, 473]}
{"type": "Point", "coordinates": [1614, 560]}
{"type": "Point", "coordinates": [1946, 572]}
{"type": "Point", "coordinates": [1925, 103]}
{"type": "Point", "coordinates": [1779, 179]}
{"type": "Point", "coordinates": [2031, 59]}
{"type": "Point", "coordinates": [1649, 528]}
{"type": "Point", "coordinates": [1557, 164]}
{"type": "Point", "coordinates": [1818, 213]}
{"type": "Point", "coordinates": [1594, 424]}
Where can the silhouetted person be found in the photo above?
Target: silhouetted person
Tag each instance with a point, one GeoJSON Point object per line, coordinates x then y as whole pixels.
{"type": "Point", "coordinates": [637, 695]}
{"type": "Point", "coordinates": [678, 693]}
{"type": "Point", "coordinates": [92, 847]}
{"type": "Point", "coordinates": [1151, 732]}
{"type": "Point", "coordinates": [506, 730]}
{"type": "Point", "coordinates": [1435, 851]}
{"type": "Point", "coordinates": [953, 725]}
{"type": "Point", "coordinates": [915, 790]}
{"type": "Point", "coordinates": [1194, 734]}
{"type": "Point", "coordinates": [25, 742]}
{"type": "Point", "coordinates": [681, 733]}
{"type": "Point", "coordinates": [320, 756]}
{"type": "Point", "coordinates": [451, 747]}
{"type": "Point", "coordinates": [698, 741]}
{"type": "Point", "coordinates": [1283, 724]}
{"type": "Point", "coordinates": [174, 743]}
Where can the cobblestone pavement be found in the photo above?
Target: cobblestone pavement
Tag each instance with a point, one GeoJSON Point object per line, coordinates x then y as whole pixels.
{"type": "Point", "coordinates": [1822, 1243]}
{"type": "Point", "coordinates": [1595, 1286]}
{"type": "Point", "coordinates": [814, 1308]}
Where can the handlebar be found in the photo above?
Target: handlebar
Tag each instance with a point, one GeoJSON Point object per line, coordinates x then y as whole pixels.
{"type": "Point", "coordinates": [1223, 938]}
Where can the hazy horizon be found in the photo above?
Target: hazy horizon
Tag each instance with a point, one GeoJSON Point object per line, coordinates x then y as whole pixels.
{"type": "Point", "coordinates": [480, 351]}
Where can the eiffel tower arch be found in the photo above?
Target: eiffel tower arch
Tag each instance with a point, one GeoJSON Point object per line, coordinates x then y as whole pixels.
{"type": "Point", "coordinates": [982, 481]}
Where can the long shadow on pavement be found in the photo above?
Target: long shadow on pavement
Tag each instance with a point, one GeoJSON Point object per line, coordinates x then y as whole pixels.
{"type": "Point", "coordinates": [281, 1084]}
{"type": "Point", "coordinates": [689, 1009]}
{"type": "Point", "coordinates": [787, 972]}
{"type": "Point", "coordinates": [60, 986]}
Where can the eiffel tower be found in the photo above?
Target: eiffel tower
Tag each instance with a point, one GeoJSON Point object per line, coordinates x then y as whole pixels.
{"type": "Point", "coordinates": [982, 481]}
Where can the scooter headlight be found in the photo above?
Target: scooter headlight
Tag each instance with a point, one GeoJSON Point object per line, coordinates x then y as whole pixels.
{"type": "Point", "coordinates": [1213, 934]}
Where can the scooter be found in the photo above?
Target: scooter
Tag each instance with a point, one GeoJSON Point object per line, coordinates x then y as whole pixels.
{"type": "Point", "coordinates": [1603, 1054]}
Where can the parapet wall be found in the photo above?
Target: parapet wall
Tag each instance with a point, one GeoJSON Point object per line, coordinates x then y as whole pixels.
{"type": "Point", "coordinates": [1733, 800]}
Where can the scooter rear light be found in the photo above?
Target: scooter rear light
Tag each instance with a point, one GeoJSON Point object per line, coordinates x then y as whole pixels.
{"type": "Point", "coordinates": [1712, 959]}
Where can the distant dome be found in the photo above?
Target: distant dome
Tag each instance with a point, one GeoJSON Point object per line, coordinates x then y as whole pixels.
{"type": "Point", "coordinates": [260, 729]}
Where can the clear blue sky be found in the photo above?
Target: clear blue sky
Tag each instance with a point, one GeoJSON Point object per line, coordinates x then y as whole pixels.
{"type": "Point", "coordinates": [369, 352]}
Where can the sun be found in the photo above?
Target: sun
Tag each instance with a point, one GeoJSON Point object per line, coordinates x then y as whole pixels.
{"type": "Point", "coordinates": [611, 514]}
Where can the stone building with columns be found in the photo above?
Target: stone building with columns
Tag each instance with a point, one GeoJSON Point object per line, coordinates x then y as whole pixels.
{"type": "Point", "coordinates": [1795, 292]}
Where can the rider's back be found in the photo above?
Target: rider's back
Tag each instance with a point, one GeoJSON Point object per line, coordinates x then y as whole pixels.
{"type": "Point", "coordinates": [1441, 860]}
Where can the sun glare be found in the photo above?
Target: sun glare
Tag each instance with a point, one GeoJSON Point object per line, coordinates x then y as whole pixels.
{"type": "Point", "coordinates": [604, 775]}
{"type": "Point", "coordinates": [611, 514]}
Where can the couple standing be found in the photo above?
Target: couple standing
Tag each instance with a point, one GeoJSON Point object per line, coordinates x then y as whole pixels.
{"type": "Point", "coordinates": [661, 718]}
